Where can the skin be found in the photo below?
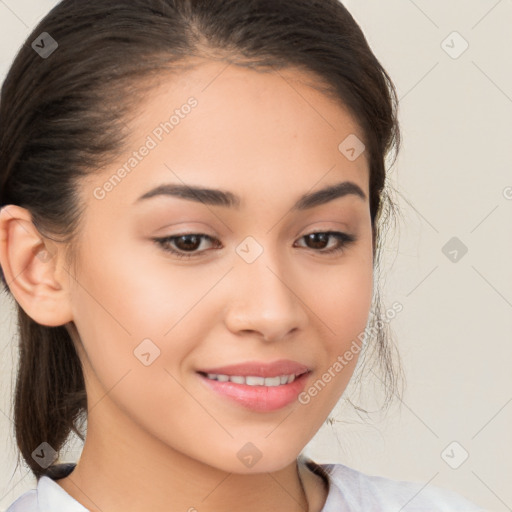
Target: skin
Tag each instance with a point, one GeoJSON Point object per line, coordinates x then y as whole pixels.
{"type": "Point", "coordinates": [157, 438]}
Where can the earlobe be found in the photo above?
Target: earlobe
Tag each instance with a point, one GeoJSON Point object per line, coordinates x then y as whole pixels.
{"type": "Point", "coordinates": [31, 264]}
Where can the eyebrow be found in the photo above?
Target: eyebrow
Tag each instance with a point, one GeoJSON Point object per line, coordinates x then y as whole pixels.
{"type": "Point", "coordinates": [217, 197]}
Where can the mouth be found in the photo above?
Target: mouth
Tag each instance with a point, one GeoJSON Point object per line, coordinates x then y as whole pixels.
{"type": "Point", "coordinates": [254, 380]}
{"type": "Point", "coordinates": [254, 392]}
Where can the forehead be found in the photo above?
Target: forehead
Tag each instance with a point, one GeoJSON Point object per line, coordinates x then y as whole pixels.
{"type": "Point", "coordinates": [253, 131]}
{"type": "Point", "coordinates": [265, 99]}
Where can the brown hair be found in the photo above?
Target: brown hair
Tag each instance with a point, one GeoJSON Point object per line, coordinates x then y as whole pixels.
{"type": "Point", "coordinates": [63, 116]}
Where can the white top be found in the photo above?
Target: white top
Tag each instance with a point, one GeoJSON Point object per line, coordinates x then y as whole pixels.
{"type": "Point", "coordinates": [349, 491]}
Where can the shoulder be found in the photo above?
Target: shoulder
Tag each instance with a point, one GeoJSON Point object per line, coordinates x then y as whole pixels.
{"type": "Point", "coordinates": [27, 502]}
{"type": "Point", "coordinates": [48, 495]}
{"type": "Point", "coordinates": [359, 491]}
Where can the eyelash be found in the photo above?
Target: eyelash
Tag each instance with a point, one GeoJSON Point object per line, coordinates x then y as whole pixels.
{"type": "Point", "coordinates": [344, 238]}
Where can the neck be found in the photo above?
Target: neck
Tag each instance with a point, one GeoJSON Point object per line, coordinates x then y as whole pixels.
{"type": "Point", "coordinates": [115, 473]}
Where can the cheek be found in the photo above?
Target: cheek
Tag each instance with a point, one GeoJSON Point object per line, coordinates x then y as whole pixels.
{"type": "Point", "coordinates": [342, 296]}
{"type": "Point", "coordinates": [347, 318]}
{"type": "Point", "coordinates": [343, 308]}
{"type": "Point", "coordinates": [133, 296]}
{"type": "Point", "coordinates": [342, 300]}
{"type": "Point", "coordinates": [353, 302]}
{"type": "Point", "coordinates": [129, 312]}
{"type": "Point", "coordinates": [128, 361]}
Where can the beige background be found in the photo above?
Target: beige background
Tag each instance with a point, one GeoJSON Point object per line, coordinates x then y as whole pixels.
{"type": "Point", "coordinates": [455, 330]}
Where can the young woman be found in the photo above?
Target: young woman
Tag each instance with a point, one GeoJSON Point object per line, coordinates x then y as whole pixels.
{"type": "Point", "coordinates": [193, 197]}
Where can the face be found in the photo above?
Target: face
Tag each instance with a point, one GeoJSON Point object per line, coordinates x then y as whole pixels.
{"type": "Point", "coordinates": [258, 285]}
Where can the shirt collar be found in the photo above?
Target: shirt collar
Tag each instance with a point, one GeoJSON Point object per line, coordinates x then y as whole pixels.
{"type": "Point", "coordinates": [335, 500]}
{"type": "Point", "coordinates": [52, 497]}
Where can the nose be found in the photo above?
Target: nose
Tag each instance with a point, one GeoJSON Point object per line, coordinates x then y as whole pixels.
{"type": "Point", "coordinates": [266, 299]}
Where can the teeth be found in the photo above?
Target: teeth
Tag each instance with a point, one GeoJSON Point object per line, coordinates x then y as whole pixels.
{"type": "Point", "coordinates": [253, 381]}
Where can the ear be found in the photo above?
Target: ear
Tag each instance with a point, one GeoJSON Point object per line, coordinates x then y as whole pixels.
{"type": "Point", "coordinates": [33, 269]}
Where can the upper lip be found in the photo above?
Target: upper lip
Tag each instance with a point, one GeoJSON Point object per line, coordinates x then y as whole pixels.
{"type": "Point", "coordinates": [259, 369]}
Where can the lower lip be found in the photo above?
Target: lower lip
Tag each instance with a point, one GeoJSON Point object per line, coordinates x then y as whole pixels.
{"type": "Point", "coordinates": [259, 398]}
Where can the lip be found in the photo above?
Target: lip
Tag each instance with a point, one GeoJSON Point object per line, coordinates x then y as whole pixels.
{"type": "Point", "coordinates": [260, 368]}
{"type": "Point", "coordinates": [258, 398]}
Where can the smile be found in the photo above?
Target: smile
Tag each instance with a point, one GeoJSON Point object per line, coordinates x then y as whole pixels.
{"type": "Point", "coordinates": [260, 394]}
{"type": "Point", "coordinates": [253, 380]}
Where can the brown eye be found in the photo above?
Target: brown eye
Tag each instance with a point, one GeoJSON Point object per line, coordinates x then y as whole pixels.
{"type": "Point", "coordinates": [187, 244]}
{"type": "Point", "coordinates": [319, 240]}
